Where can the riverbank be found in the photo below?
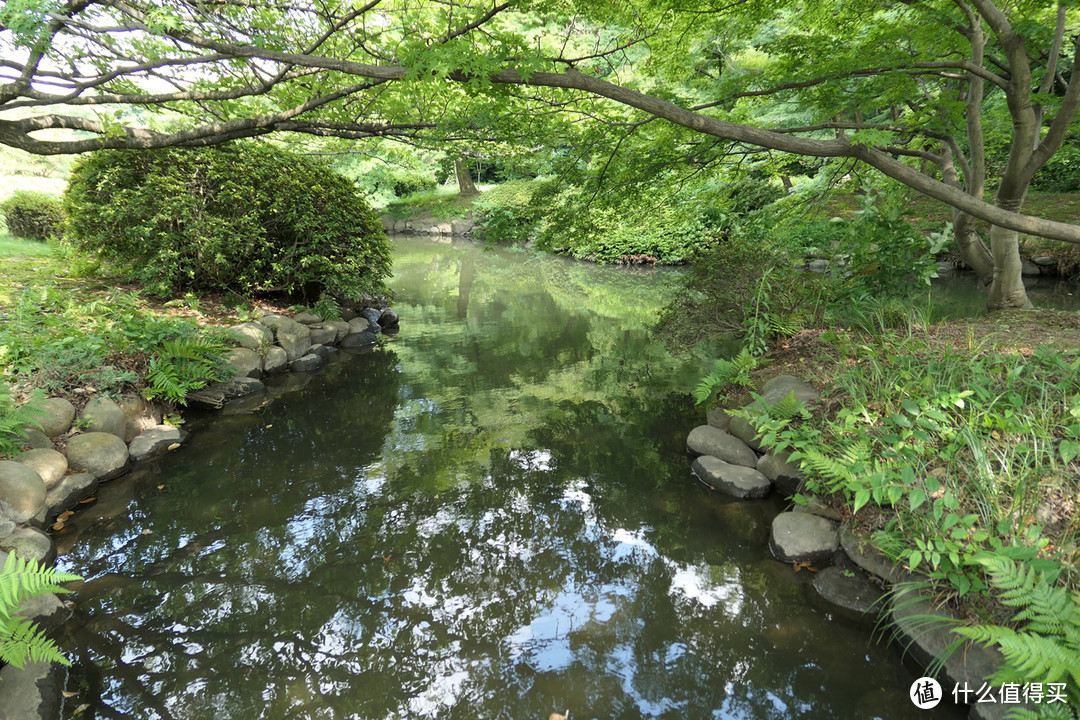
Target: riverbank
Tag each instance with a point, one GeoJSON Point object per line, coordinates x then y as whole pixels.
{"type": "Point", "coordinates": [951, 451]}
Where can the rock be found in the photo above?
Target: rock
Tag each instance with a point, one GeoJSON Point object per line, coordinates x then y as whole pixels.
{"type": "Point", "coordinates": [58, 416]}
{"type": "Point", "coordinates": [31, 544]}
{"type": "Point", "coordinates": [295, 341]}
{"type": "Point", "coordinates": [361, 325]}
{"type": "Point", "coordinates": [68, 492]}
{"type": "Point", "coordinates": [925, 640]}
{"type": "Point", "coordinates": [718, 418]}
{"type": "Point", "coordinates": [444, 229]}
{"type": "Point", "coordinates": [139, 415]}
{"type": "Point", "coordinates": [800, 537]}
{"type": "Point", "coordinates": [817, 265]}
{"type": "Point", "coordinates": [341, 330]}
{"type": "Point", "coordinates": [371, 314]}
{"type": "Point", "coordinates": [387, 222]}
{"type": "Point", "coordinates": [321, 350]}
{"type": "Point", "coordinates": [37, 439]}
{"type": "Point", "coordinates": [849, 592]}
{"type": "Point", "coordinates": [1046, 261]}
{"type": "Point", "coordinates": [814, 506]}
{"type": "Point", "coordinates": [32, 693]}
{"type": "Point", "coordinates": [323, 334]}
{"type": "Point", "coordinates": [307, 363]}
{"type": "Point", "coordinates": [389, 318]}
{"type": "Point", "coordinates": [360, 340]}
{"type": "Point", "coordinates": [400, 226]}
{"type": "Point", "coordinates": [101, 454]}
{"type": "Point", "coordinates": [50, 465]}
{"type": "Point", "coordinates": [785, 475]}
{"type": "Point", "coordinates": [772, 392]}
{"type": "Point", "coordinates": [245, 361]}
{"type": "Point", "coordinates": [736, 481]}
{"type": "Point", "coordinates": [945, 267]}
{"type": "Point", "coordinates": [307, 318]}
{"type": "Point", "coordinates": [872, 560]}
{"type": "Point", "coordinates": [462, 226]}
{"type": "Point", "coordinates": [276, 361]}
{"type": "Point", "coordinates": [155, 441]}
{"type": "Point", "coordinates": [22, 490]}
{"type": "Point", "coordinates": [347, 314]}
{"type": "Point", "coordinates": [708, 440]}
{"type": "Point", "coordinates": [46, 610]}
{"type": "Point", "coordinates": [213, 397]}
{"type": "Point", "coordinates": [1029, 268]}
{"type": "Point", "coordinates": [252, 335]}
{"type": "Point", "coordinates": [102, 415]}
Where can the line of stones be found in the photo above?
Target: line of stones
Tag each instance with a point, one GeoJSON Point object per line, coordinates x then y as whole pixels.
{"type": "Point", "coordinates": [103, 441]}
{"type": "Point", "coordinates": [854, 577]}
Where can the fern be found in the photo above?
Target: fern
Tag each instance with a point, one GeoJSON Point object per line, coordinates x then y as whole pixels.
{"type": "Point", "coordinates": [1046, 648]}
{"type": "Point", "coordinates": [19, 638]}
{"type": "Point", "coordinates": [14, 418]}
{"type": "Point", "coordinates": [182, 365]}
{"type": "Point", "coordinates": [726, 372]}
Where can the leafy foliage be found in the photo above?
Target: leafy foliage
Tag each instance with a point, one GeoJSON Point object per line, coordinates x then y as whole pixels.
{"type": "Point", "coordinates": [13, 418]}
{"type": "Point", "coordinates": [184, 364]}
{"type": "Point", "coordinates": [507, 213]}
{"type": "Point", "coordinates": [1046, 646]}
{"type": "Point", "coordinates": [245, 217]}
{"type": "Point", "coordinates": [33, 215]}
{"type": "Point", "coordinates": [726, 373]}
{"type": "Point", "coordinates": [21, 640]}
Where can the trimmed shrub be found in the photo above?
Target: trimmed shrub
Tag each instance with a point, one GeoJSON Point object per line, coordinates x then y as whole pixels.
{"type": "Point", "coordinates": [242, 217]}
{"type": "Point", "coordinates": [33, 215]}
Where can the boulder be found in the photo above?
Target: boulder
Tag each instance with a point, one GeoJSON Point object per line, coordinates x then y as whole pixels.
{"type": "Point", "coordinates": [341, 329]}
{"type": "Point", "coordinates": [400, 226]}
{"type": "Point", "coordinates": [801, 537]}
{"type": "Point", "coordinates": [389, 318]}
{"type": "Point", "coordinates": [873, 561]}
{"type": "Point", "coordinates": [276, 361]}
{"type": "Point", "coordinates": [295, 340]}
{"type": "Point", "coordinates": [153, 442]}
{"type": "Point", "coordinates": [462, 226]}
{"type": "Point", "coordinates": [101, 454]}
{"type": "Point", "coordinates": [307, 363]}
{"type": "Point", "coordinates": [708, 440]}
{"type": "Point", "coordinates": [33, 692]}
{"type": "Point", "coordinates": [140, 415]}
{"type": "Point", "coordinates": [371, 314]}
{"type": "Point", "coordinates": [785, 475]}
{"type": "Point", "coordinates": [307, 318]}
{"type": "Point", "coordinates": [58, 416]}
{"type": "Point", "coordinates": [347, 314]}
{"type": "Point", "coordinates": [37, 439]}
{"type": "Point", "coordinates": [362, 325]}
{"type": "Point", "coordinates": [321, 350]}
{"type": "Point", "coordinates": [1046, 261]}
{"type": "Point", "coordinates": [323, 334]}
{"type": "Point", "coordinates": [849, 593]}
{"type": "Point", "coordinates": [924, 641]}
{"type": "Point", "coordinates": [736, 481]}
{"type": "Point", "coordinates": [246, 362]}
{"type": "Point", "coordinates": [50, 465]}
{"type": "Point", "coordinates": [360, 340]}
{"type": "Point", "coordinates": [68, 492]}
{"type": "Point", "coordinates": [252, 335]}
{"type": "Point", "coordinates": [213, 397]}
{"type": "Point", "coordinates": [771, 393]}
{"type": "Point", "coordinates": [814, 506]}
{"type": "Point", "coordinates": [1028, 268]}
{"type": "Point", "coordinates": [31, 544]}
{"type": "Point", "coordinates": [718, 418]}
{"type": "Point", "coordinates": [22, 491]}
{"type": "Point", "coordinates": [102, 415]}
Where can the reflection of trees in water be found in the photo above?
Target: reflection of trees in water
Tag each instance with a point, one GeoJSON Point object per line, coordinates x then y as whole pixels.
{"type": "Point", "coordinates": [492, 519]}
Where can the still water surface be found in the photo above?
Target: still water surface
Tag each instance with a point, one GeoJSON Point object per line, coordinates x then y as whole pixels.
{"type": "Point", "coordinates": [491, 516]}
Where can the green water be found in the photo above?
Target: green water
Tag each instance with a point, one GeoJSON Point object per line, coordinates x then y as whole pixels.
{"type": "Point", "coordinates": [491, 516]}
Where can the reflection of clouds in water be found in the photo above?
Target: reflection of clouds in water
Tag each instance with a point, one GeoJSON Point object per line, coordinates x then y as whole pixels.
{"type": "Point", "coordinates": [541, 460]}
{"type": "Point", "coordinates": [708, 585]}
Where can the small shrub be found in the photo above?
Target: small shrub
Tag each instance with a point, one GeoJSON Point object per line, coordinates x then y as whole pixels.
{"type": "Point", "coordinates": [33, 215]}
{"type": "Point", "coordinates": [243, 217]}
{"type": "Point", "coordinates": [507, 213]}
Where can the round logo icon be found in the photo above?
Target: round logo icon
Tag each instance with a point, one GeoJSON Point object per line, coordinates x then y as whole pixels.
{"type": "Point", "coordinates": [925, 693]}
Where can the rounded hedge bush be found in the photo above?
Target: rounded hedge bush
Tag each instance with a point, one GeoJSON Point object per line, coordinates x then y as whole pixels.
{"type": "Point", "coordinates": [33, 215]}
{"type": "Point", "coordinates": [243, 217]}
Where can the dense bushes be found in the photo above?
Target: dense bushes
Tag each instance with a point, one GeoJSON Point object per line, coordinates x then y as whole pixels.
{"type": "Point", "coordinates": [507, 213]}
{"type": "Point", "coordinates": [32, 215]}
{"type": "Point", "coordinates": [243, 217]}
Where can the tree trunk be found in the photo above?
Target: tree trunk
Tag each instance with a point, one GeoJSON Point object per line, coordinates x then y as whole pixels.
{"type": "Point", "coordinates": [1007, 288]}
{"type": "Point", "coordinates": [972, 248]}
{"type": "Point", "coordinates": [464, 180]}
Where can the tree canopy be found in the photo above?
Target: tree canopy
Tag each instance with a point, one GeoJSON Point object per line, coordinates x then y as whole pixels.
{"type": "Point", "coordinates": [949, 97]}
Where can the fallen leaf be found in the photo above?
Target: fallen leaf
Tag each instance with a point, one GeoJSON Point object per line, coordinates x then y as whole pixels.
{"type": "Point", "coordinates": [804, 565]}
{"type": "Point", "coordinates": [160, 487]}
{"type": "Point", "coordinates": [174, 446]}
{"type": "Point", "coordinates": [68, 693]}
{"type": "Point", "coordinates": [81, 708]}
{"type": "Point", "coordinates": [87, 500]}
{"type": "Point", "coordinates": [64, 515]}
{"type": "Point", "coordinates": [386, 559]}
{"type": "Point", "coordinates": [146, 532]}
{"type": "Point", "coordinates": [58, 525]}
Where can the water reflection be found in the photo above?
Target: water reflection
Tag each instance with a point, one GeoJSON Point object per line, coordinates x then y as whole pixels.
{"type": "Point", "coordinates": [492, 516]}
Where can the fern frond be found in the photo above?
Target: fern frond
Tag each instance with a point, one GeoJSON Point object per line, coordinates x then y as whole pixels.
{"type": "Point", "coordinates": [21, 640]}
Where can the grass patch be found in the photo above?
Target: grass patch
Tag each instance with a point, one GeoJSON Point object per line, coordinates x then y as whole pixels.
{"type": "Point", "coordinates": [12, 247]}
{"type": "Point", "coordinates": [442, 203]}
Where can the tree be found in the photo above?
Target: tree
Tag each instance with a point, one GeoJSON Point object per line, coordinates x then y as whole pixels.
{"type": "Point", "coordinates": [911, 88]}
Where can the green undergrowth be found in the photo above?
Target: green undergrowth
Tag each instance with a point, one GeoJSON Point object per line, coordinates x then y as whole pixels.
{"type": "Point", "coordinates": [961, 460]}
